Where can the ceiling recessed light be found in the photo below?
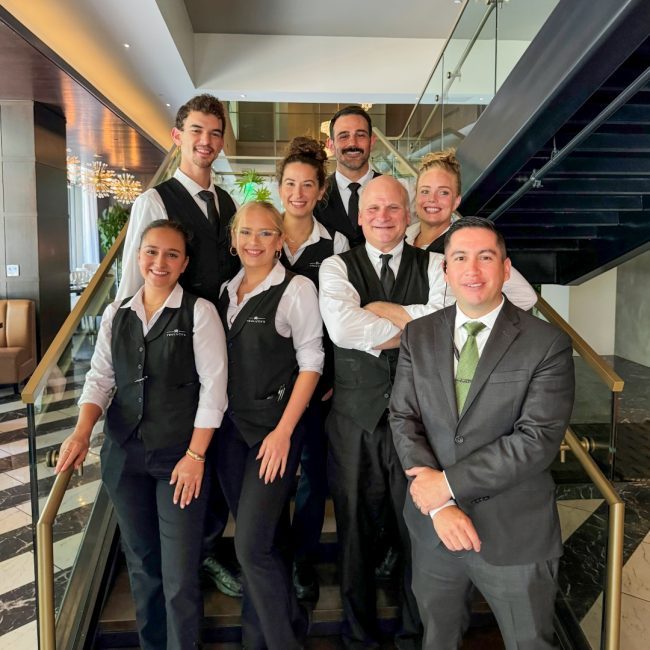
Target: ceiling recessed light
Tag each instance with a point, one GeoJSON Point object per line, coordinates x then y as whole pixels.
{"type": "Point", "coordinates": [243, 96]}
{"type": "Point", "coordinates": [168, 105]}
{"type": "Point", "coordinates": [126, 45]}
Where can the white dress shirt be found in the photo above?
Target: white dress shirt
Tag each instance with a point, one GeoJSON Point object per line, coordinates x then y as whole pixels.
{"type": "Point", "coordinates": [318, 232]}
{"type": "Point", "coordinates": [343, 182]}
{"type": "Point", "coordinates": [460, 337]}
{"type": "Point", "coordinates": [297, 316]}
{"type": "Point", "coordinates": [149, 207]}
{"type": "Point", "coordinates": [209, 343]}
{"type": "Point", "coordinates": [517, 288]}
{"type": "Point", "coordinates": [348, 324]}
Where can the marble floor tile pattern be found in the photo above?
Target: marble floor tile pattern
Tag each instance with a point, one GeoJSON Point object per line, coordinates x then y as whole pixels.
{"type": "Point", "coordinates": [55, 419]}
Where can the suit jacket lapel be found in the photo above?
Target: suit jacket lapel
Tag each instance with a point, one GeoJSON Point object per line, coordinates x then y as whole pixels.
{"type": "Point", "coordinates": [504, 332]}
{"type": "Point", "coordinates": [444, 360]}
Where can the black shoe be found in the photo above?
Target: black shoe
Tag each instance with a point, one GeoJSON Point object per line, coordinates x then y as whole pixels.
{"type": "Point", "coordinates": [305, 582]}
{"type": "Point", "coordinates": [222, 578]}
{"type": "Point", "coordinates": [386, 568]}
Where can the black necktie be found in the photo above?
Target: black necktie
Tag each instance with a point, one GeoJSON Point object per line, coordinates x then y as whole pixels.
{"type": "Point", "coordinates": [213, 214]}
{"type": "Point", "coordinates": [386, 276]}
{"type": "Point", "coordinates": [353, 205]}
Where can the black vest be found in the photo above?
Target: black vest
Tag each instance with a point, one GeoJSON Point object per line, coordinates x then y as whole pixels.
{"type": "Point", "coordinates": [308, 264]}
{"type": "Point", "coordinates": [157, 386]}
{"type": "Point", "coordinates": [363, 382]}
{"type": "Point", "coordinates": [262, 366]}
{"type": "Point", "coordinates": [437, 245]}
{"type": "Point", "coordinates": [331, 212]}
{"type": "Point", "coordinates": [211, 263]}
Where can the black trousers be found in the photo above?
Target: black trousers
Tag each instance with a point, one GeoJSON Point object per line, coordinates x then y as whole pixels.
{"type": "Point", "coordinates": [365, 476]}
{"type": "Point", "coordinates": [311, 494]}
{"type": "Point", "coordinates": [161, 542]}
{"type": "Point", "coordinates": [271, 615]}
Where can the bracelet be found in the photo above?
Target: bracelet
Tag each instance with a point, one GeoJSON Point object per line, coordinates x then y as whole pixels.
{"type": "Point", "coordinates": [194, 456]}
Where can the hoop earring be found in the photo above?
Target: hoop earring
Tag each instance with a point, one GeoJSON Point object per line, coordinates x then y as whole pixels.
{"type": "Point", "coordinates": [278, 255]}
{"type": "Point", "coordinates": [233, 251]}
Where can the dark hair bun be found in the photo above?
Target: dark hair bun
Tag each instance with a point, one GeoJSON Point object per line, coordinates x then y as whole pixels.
{"type": "Point", "coordinates": [308, 148]}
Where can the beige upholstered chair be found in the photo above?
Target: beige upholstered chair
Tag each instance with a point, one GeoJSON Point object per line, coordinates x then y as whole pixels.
{"type": "Point", "coordinates": [17, 341]}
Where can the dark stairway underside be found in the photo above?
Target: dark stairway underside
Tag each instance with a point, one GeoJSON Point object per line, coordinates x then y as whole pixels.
{"type": "Point", "coordinates": [589, 209]}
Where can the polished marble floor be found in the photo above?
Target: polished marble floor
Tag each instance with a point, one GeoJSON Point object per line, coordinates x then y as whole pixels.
{"type": "Point", "coordinates": [582, 513]}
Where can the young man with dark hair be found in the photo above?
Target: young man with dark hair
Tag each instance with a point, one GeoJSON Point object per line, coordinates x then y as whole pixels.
{"type": "Point", "coordinates": [482, 397]}
{"type": "Point", "coordinates": [205, 210]}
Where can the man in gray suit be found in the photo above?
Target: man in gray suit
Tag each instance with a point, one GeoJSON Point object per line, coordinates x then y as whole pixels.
{"type": "Point", "coordinates": [478, 413]}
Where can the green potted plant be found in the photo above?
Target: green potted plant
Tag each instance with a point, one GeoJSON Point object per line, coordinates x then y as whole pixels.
{"type": "Point", "coordinates": [251, 186]}
{"type": "Point", "coordinates": [110, 225]}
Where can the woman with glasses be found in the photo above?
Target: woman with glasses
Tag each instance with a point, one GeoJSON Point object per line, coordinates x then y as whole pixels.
{"type": "Point", "coordinates": [275, 358]}
{"type": "Point", "coordinates": [301, 178]}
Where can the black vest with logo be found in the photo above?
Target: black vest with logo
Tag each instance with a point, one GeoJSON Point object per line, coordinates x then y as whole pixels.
{"type": "Point", "coordinates": [211, 263]}
{"type": "Point", "coordinates": [262, 366]}
{"type": "Point", "coordinates": [157, 386]}
{"type": "Point", "coordinates": [308, 264]}
{"type": "Point", "coordinates": [363, 382]}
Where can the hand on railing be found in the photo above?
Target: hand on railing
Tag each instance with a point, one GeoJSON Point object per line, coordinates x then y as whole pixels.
{"type": "Point", "coordinates": [73, 452]}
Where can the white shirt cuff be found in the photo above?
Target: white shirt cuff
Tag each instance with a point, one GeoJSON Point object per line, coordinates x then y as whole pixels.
{"type": "Point", "coordinates": [435, 511]}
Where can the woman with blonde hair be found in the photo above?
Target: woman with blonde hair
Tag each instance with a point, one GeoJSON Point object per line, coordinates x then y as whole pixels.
{"type": "Point", "coordinates": [275, 358]}
{"type": "Point", "coordinates": [437, 196]}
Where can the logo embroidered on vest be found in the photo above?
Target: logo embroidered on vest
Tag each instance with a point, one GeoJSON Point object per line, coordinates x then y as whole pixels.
{"type": "Point", "coordinates": [314, 265]}
{"type": "Point", "coordinates": [176, 332]}
{"type": "Point", "coordinates": [257, 320]}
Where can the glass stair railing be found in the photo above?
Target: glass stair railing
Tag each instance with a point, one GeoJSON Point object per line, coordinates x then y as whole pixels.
{"type": "Point", "coordinates": [482, 48]}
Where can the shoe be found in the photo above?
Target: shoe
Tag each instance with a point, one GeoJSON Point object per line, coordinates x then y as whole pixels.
{"type": "Point", "coordinates": [386, 568]}
{"type": "Point", "coordinates": [305, 582]}
{"type": "Point", "coordinates": [222, 578]}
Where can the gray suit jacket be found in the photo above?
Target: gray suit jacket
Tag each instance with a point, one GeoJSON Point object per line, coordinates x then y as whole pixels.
{"type": "Point", "coordinates": [497, 452]}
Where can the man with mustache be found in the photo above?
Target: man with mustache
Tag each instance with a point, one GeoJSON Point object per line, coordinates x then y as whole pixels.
{"type": "Point", "coordinates": [205, 210]}
{"type": "Point", "coordinates": [351, 140]}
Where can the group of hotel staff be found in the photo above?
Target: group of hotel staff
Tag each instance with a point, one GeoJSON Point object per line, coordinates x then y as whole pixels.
{"type": "Point", "coordinates": [245, 342]}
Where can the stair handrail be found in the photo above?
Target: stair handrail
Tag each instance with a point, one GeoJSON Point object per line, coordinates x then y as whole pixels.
{"type": "Point", "coordinates": [611, 633]}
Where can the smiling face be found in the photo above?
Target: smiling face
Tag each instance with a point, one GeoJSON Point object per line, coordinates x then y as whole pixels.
{"type": "Point", "coordinates": [299, 191]}
{"type": "Point", "coordinates": [436, 197]}
{"type": "Point", "coordinates": [383, 213]}
{"type": "Point", "coordinates": [162, 258]}
{"type": "Point", "coordinates": [476, 270]}
{"type": "Point", "coordinates": [351, 144]}
{"type": "Point", "coordinates": [200, 140]}
{"type": "Point", "coordinates": [256, 238]}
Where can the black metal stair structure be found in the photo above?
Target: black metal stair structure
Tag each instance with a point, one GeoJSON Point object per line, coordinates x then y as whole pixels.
{"type": "Point", "coordinates": [560, 159]}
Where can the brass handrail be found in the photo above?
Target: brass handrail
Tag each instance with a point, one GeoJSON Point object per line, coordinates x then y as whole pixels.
{"type": "Point", "coordinates": [63, 336]}
{"type": "Point", "coordinates": [614, 381]}
{"type": "Point", "coordinates": [616, 523]}
{"type": "Point", "coordinates": [45, 555]}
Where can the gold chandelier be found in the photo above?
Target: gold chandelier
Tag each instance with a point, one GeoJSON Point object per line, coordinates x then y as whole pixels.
{"type": "Point", "coordinates": [73, 169]}
{"type": "Point", "coordinates": [97, 177]}
{"type": "Point", "coordinates": [125, 188]}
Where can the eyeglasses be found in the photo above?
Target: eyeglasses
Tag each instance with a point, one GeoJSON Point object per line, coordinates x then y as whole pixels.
{"type": "Point", "coordinates": [262, 234]}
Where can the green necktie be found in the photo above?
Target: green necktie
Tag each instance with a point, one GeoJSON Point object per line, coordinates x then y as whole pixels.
{"type": "Point", "coordinates": [467, 363]}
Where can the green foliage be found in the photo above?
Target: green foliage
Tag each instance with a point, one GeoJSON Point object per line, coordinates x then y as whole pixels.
{"type": "Point", "coordinates": [110, 224]}
{"type": "Point", "coordinates": [251, 186]}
